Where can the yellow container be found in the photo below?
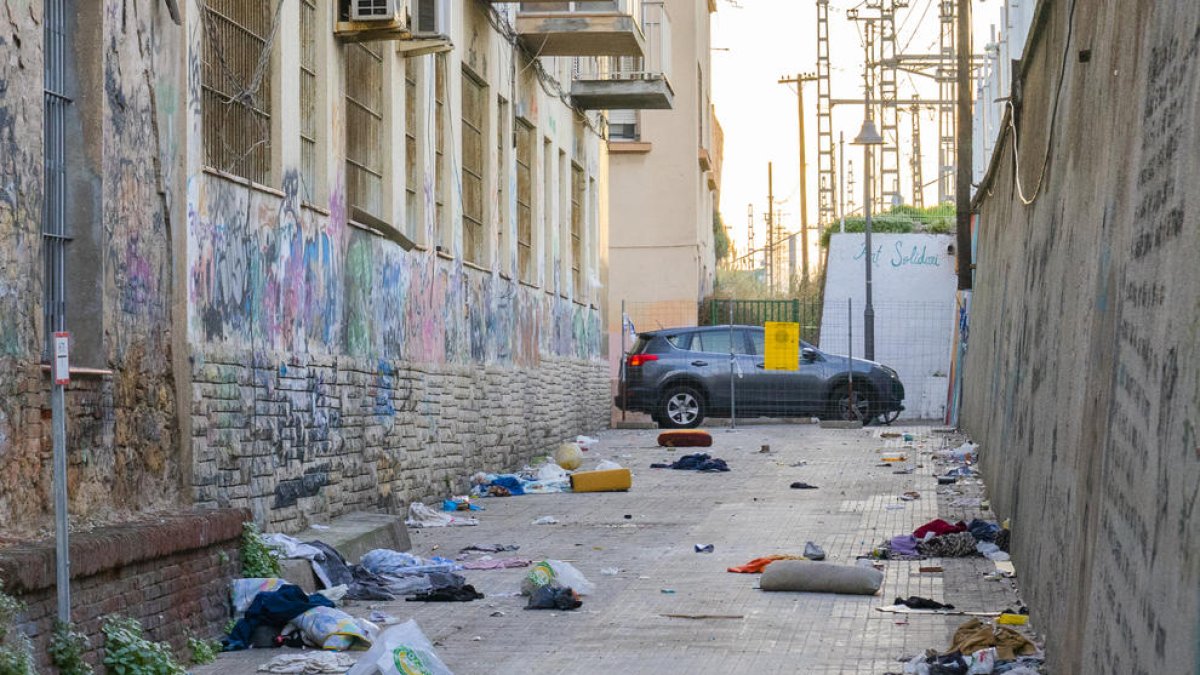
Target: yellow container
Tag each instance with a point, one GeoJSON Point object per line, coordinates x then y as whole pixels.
{"type": "Point", "coordinates": [1013, 619]}
{"type": "Point", "coordinates": [609, 480]}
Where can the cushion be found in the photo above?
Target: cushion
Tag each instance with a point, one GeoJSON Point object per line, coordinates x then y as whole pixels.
{"type": "Point", "coordinates": [686, 438]}
{"type": "Point", "coordinates": [816, 577]}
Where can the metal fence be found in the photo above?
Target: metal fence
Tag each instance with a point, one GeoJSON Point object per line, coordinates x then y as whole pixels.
{"type": "Point", "coordinates": [806, 312]}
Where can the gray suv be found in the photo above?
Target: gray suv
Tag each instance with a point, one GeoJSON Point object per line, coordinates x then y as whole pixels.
{"type": "Point", "coordinates": [680, 376]}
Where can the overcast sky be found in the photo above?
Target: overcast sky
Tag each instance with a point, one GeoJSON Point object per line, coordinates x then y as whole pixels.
{"type": "Point", "coordinates": [767, 39]}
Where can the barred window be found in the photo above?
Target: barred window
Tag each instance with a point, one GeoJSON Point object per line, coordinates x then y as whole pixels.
{"type": "Point", "coordinates": [474, 108]}
{"type": "Point", "coordinates": [577, 218]}
{"type": "Point", "coordinates": [236, 85]}
{"type": "Point", "coordinates": [308, 95]}
{"type": "Point", "coordinates": [410, 149]}
{"type": "Point", "coordinates": [525, 148]}
{"type": "Point", "coordinates": [364, 127]}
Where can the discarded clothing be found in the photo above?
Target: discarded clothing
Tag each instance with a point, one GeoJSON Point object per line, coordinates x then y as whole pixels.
{"type": "Point", "coordinates": [387, 561]}
{"type": "Point", "coordinates": [983, 530]}
{"type": "Point", "coordinates": [954, 545]}
{"type": "Point", "coordinates": [904, 545]}
{"type": "Point", "coordinates": [939, 526]}
{"type": "Point", "coordinates": [801, 485]}
{"type": "Point", "coordinates": [1003, 537]}
{"type": "Point", "coordinates": [309, 663]}
{"type": "Point", "coordinates": [813, 552]}
{"type": "Point", "coordinates": [490, 548]}
{"type": "Point", "coordinates": [291, 547]}
{"type": "Point", "coordinates": [975, 635]}
{"type": "Point", "coordinates": [272, 608]}
{"type": "Point", "coordinates": [496, 564]}
{"type": "Point", "coordinates": [332, 629]}
{"type": "Point", "coordinates": [917, 602]}
{"type": "Point", "coordinates": [991, 551]}
{"type": "Point", "coordinates": [508, 482]}
{"type": "Point", "coordinates": [465, 594]}
{"type": "Point", "coordinates": [245, 590]}
{"type": "Point", "coordinates": [757, 565]}
{"type": "Point", "coordinates": [697, 462]}
{"type": "Point", "coordinates": [554, 597]}
{"type": "Point", "coordinates": [420, 515]}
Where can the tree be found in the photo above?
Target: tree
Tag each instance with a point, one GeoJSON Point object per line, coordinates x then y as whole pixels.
{"type": "Point", "coordinates": [720, 238]}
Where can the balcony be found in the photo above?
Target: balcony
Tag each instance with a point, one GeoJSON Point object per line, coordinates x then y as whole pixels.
{"type": "Point", "coordinates": [630, 82]}
{"type": "Point", "coordinates": [581, 28]}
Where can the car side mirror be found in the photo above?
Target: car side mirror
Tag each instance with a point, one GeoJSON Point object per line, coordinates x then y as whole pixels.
{"type": "Point", "coordinates": [808, 354]}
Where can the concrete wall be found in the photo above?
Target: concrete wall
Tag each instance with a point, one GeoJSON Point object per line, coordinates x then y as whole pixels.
{"type": "Point", "coordinates": [1081, 380]}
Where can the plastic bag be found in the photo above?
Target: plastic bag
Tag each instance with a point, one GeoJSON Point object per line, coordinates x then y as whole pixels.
{"type": "Point", "coordinates": [983, 662]}
{"type": "Point", "coordinates": [550, 472]}
{"type": "Point", "coordinates": [401, 650]}
{"type": "Point", "coordinates": [244, 591]}
{"type": "Point", "coordinates": [607, 465]}
{"type": "Point", "coordinates": [586, 442]}
{"type": "Point", "coordinates": [556, 572]}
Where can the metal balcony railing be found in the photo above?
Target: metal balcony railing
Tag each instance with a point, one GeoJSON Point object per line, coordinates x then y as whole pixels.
{"type": "Point", "coordinates": [655, 65]}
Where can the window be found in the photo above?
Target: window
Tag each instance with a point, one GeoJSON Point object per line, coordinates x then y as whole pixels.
{"type": "Point", "coordinates": [578, 267]}
{"type": "Point", "coordinates": [549, 219]}
{"type": "Point", "coordinates": [523, 132]}
{"type": "Point", "coordinates": [439, 151]}
{"type": "Point", "coordinates": [759, 342]}
{"type": "Point", "coordinates": [364, 128]}
{"type": "Point", "coordinates": [714, 342]}
{"type": "Point", "coordinates": [308, 97]}
{"type": "Point", "coordinates": [623, 125]}
{"type": "Point", "coordinates": [410, 150]}
{"type": "Point", "coordinates": [236, 85]}
{"type": "Point", "coordinates": [683, 342]}
{"type": "Point", "coordinates": [474, 109]}
{"type": "Point", "coordinates": [502, 249]}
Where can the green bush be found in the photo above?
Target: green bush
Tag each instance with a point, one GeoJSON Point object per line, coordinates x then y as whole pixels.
{"type": "Point", "coordinates": [203, 651]}
{"type": "Point", "coordinates": [128, 652]}
{"type": "Point", "coordinates": [901, 219]}
{"type": "Point", "coordinates": [66, 650]}
{"type": "Point", "coordinates": [258, 560]}
{"type": "Point", "coordinates": [16, 650]}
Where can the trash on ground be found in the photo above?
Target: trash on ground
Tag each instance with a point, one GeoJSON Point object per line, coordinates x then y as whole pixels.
{"type": "Point", "coordinates": [704, 548]}
{"type": "Point", "coordinates": [400, 650]}
{"type": "Point", "coordinates": [569, 456]}
{"type": "Point", "coordinates": [932, 569]}
{"type": "Point", "coordinates": [939, 526]}
{"type": "Point", "coordinates": [820, 577]}
{"type": "Point", "coordinates": [765, 448]}
{"type": "Point", "coordinates": [308, 663]}
{"type": "Point", "coordinates": [602, 480]}
{"type": "Point", "coordinates": [556, 572]}
{"type": "Point", "coordinates": [586, 443]}
{"type": "Point", "coordinates": [331, 629]}
{"type": "Point", "coordinates": [757, 565]}
{"type": "Point", "coordinates": [387, 561]}
{"type": "Point", "coordinates": [489, 548]}
{"type": "Point", "coordinates": [911, 495]}
{"type": "Point", "coordinates": [273, 610]}
{"type": "Point", "coordinates": [917, 602]}
{"type": "Point", "coordinates": [967, 452]}
{"type": "Point", "coordinates": [685, 438]}
{"type": "Point", "coordinates": [991, 551]}
{"type": "Point", "coordinates": [462, 503]}
{"type": "Point", "coordinates": [244, 591]}
{"type": "Point", "coordinates": [696, 462]}
{"type": "Point", "coordinates": [813, 552]}
{"type": "Point", "coordinates": [552, 596]}
{"type": "Point", "coordinates": [704, 616]}
{"type": "Point", "coordinates": [667, 591]}
{"type": "Point", "coordinates": [606, 465]}
{"type": "Point", "coordinates": [496, 563]}
{"type": "Point", "coordinates": [465, 593]}
{"type": "Point", "coordinates": [382, 618]}
{"type": "Point", "coordinates": [291, 547]}
{"type": "Point", "coordinates": [610, 571]}
{"type": "Point", "coordinates": [546, 520]}
{"type": "Point", "coordinates": [336, 593]}
{"type": "Point", "coordinates": [903, 609]}
{"type": "Point", "coordinates": [975, 635]}
{"type": "Point", "coordinates": [953, 545]}
{"type": "Point", "coordinates": [801, 485]}
{"type": "Point", "coordinates": [1012, 619]}
{"type": "Point", "coordinates": [420, 515]}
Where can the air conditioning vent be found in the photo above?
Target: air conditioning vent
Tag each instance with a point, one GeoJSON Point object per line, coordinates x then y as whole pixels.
{"type": "Point", "coordinates": [431, 17]}
{"type": "Point", "coordinates": [372, 10]}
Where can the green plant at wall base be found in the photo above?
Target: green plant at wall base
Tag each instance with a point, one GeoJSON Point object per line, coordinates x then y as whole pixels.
{"type": "Point", "coordinates": [16, 650]}
{"type": "Point", "coordinates": [203, 651]}
{"type": "Point", "coordinates": [128, 652]}
{"type": "Point", "coordinates": [258, 560]}
{"type": "Point", "coordinates": [66, 650]}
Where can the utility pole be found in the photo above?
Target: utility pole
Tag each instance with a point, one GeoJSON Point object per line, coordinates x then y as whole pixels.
{"type": "Point", "coordinates": [946, 93]}
{"type": "Point", "coordinates": [750, 234]}
{"type": "Point", "coordinates": [962, 190]}
{"type": "Point", "coordinates": [842, 180]}
{"type": "Point", "coordinates": [770, 229]}
{"type": "Point", "coordinates": [918, 180]}
{"type": "Point", "coordinates": [825, 165]}
{"type": "Point", "coordinates": [799, 81]}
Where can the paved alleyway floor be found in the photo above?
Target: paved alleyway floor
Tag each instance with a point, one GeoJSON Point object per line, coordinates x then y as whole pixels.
{"type": "Point", "coordinates": [648, 534]}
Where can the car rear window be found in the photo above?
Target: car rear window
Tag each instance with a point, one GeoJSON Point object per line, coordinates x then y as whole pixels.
{"type": "Point", "coordinates": [680, 341]}
{"type": "Point", "coordinates": [639, 345]}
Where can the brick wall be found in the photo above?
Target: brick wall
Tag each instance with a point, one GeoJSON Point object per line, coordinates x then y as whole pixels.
{"type": "Point", "coordinates": [171, 573]}
{"type": "Point", "coordinates": [301, 438]}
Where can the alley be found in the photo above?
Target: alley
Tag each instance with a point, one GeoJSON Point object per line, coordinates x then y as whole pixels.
{"type": "Point", "coordinates": [648, 534]}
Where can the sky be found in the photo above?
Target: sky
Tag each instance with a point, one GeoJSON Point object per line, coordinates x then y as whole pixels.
{"type": "Point", "coordinates": [755, 43]}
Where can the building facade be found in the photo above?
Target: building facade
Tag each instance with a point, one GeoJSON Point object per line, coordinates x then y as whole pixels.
{"type": "Point", "coordinates": [661, 256]}
{"type": "Point", "coordinates": [312, 263]}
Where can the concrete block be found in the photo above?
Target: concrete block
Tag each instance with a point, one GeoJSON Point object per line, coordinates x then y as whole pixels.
{"type": "Point", "coordinates": [299, 572]}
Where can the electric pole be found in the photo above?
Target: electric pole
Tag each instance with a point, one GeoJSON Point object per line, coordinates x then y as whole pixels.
{"type": "Point", "coordinates": [799, 81]}
{"type": "Point", "coordinates": [770, 229]}
{"type": "Point", "coordinates": [962, 190]}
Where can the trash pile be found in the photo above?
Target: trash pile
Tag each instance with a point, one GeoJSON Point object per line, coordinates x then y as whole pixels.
{"type": "Point", "coordinates": [980, 648]}
{"type": "Point", "coordinates": [560, 474]}
{"type": "Point", "coordinates": [554, 584]}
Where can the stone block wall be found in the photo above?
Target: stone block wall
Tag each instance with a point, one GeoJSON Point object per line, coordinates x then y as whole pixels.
{"type": "Point", "coordinates": [1081, 378]}
{"type": "Point", "coordinates": [171, 573]}
{"type": "Point", "coordinates": [300, 439]}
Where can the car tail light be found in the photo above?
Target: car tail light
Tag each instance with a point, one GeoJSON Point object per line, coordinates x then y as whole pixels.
{"type": "Point", "coordinates": [636, 360]}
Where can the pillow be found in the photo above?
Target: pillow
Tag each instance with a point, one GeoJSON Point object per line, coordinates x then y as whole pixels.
{"type": "Point", "coordinates": [816, 577]}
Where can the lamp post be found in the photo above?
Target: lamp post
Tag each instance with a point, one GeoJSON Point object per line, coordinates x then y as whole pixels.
{"type": "Point", "coordinates": [868, 136]}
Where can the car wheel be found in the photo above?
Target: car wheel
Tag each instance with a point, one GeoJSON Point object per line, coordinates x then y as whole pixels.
{"type": "Point", "coordinates": [682, 407]}
{"type": "Point", "coordinates": [889, 417]}
{"type": "Point", "coordinates": [845, 406]}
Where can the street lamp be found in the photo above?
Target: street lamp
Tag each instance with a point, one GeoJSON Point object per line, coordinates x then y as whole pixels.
{"type": "Point", "coordinates": [867, 137]}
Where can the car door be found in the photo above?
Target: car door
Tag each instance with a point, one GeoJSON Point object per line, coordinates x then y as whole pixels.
{"type": "Point", "coordinates": [710, 361]}
{"type": "Point", "coordinates": [785, 392]}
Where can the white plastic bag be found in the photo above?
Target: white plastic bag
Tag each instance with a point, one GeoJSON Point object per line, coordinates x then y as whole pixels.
{"type": "Point", "coordinates": [586, 442]}
{"type": "Point", "coordinates": [556, 572]}
{"type": "Point", "coordinates": [608, 464]}
{"type": "Point", "coordinates": [551, 471]}
{"type": "Point", "coordinates": [983, 662]}
{"type": "Point", "coordinates": [401, 650]}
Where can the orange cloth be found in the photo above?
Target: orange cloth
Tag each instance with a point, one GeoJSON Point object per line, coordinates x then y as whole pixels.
{"type": "Point", "coordinates": [759, 564]}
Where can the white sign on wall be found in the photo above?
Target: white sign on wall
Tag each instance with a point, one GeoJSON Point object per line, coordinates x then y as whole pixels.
{"type": "Point", "coordinates": [913, 283]}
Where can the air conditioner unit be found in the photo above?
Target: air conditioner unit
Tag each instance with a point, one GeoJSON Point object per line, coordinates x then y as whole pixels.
{"type": "Point", "coordinates": [431, 18]}
{"type": "Point", "coordinates": [373, 10]}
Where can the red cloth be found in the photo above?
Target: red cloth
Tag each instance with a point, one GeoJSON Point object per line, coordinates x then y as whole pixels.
{"type": "Point", "coordinates": [939, 527]}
